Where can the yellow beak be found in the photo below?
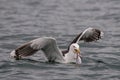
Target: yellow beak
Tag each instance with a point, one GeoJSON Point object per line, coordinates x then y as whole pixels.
{"type": "Point", "coordinates": [77, 51]}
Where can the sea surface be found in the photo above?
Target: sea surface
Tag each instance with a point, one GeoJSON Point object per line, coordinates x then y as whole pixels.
{"type": "Point", "coordinates": [25, 20]}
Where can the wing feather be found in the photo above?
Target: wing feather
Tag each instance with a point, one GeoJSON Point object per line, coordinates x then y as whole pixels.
{"type": "Point", "coordinates": [47, 45]}
{"type": "Point", "coordinates": [88, 35]}
{"type": "Point", "coordinates": [52, 51]}
{"type": "Point", "coordinates": [25, 50]}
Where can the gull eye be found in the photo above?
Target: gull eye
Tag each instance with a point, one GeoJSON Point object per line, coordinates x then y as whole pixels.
{"type": "Point", "coordinates": [73, 46]}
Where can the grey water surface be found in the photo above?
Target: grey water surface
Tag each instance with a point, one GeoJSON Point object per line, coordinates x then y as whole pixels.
{"type": "Point", "coordinates": [24, 20]}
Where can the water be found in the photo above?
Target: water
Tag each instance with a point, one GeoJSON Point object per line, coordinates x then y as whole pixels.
{"type": "Point", "coordinates": [24, 20]}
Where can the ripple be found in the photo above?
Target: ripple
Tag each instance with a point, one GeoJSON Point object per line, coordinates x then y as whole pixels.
{"type": "Point", "coordinates": [24, 20]}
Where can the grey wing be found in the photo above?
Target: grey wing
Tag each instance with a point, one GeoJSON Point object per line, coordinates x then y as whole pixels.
{"type": "Point", "coordinates": [88, 35]}
{"type": "Point", "coordinates": [46, 44]}
{"type": "Point", "coordinates": [51, 51]}
{"type": "Point", "coordinates": [25, 50]}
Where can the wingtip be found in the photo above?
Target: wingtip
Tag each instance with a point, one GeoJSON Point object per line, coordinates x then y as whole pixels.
{"type": "Point", "coordinates": [12, 54]}
{"type": "Point", "coordinates": [102, 34]}
{"type": "Point", "coordinates": [92, 34]}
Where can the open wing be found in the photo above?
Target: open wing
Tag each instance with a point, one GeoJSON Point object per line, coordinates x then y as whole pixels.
{"type": "Point", "coordinates": [46, 44]}
{"type": "Point", "coordinates": [88, 35]}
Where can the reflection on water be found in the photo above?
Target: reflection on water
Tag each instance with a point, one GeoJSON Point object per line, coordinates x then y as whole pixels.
{"type": "Point", "coordinates": [24, 20]}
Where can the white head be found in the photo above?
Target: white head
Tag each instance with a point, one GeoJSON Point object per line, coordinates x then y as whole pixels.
{"type": "Point", "coordinates": [75, 49]}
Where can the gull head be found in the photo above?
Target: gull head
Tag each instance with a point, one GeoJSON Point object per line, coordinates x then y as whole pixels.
{"type": "Point", "coordinates": [75, 49]}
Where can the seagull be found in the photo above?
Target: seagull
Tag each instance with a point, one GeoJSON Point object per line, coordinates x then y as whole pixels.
{"type": "Point", "coordinates": [48, 46]}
